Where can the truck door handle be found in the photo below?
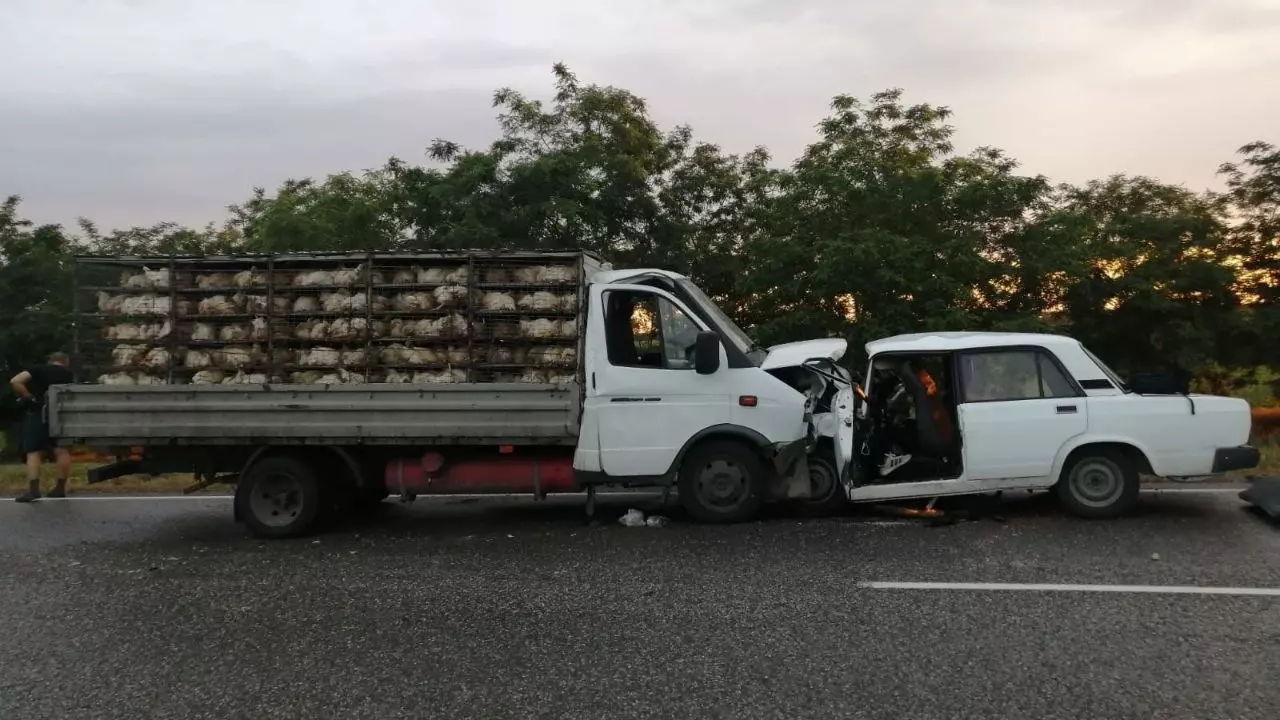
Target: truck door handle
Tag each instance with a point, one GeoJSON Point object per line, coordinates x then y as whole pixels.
{"type": "Point", "coordinates": [1066, 409]}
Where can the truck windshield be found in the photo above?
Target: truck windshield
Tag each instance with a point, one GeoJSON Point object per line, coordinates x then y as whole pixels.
{"type": "Point", "coordinates": [730, 329]}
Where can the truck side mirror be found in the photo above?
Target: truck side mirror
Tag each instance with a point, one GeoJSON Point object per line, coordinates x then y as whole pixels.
{"type": "Point", "coordinates": [706, 353]}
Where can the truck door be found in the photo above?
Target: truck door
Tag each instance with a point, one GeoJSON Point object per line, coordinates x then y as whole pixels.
{"type": "Point", "coordinates": [1018, 407]}
{"type": "Point", "coordinates": [641, 385]}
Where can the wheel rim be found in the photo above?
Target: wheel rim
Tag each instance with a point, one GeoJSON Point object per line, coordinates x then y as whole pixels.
{"type": "Point", "coordinates": [1096, 482]}
{"type": "Point", "coordinates": [822, 481]}
{"type": "Point", "coordinates": [277, 500]}
{"type": "Point", "coordinates": [722, 484]}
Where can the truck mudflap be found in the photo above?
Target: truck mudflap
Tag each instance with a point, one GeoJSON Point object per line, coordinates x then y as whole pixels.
{"type": "Point", "coordinates": [114, 470]}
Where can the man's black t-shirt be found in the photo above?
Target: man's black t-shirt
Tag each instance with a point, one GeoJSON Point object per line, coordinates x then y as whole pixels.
{"type": "Point", "coordinates": [43, 376]}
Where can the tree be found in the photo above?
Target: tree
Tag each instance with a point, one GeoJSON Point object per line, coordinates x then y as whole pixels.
{"type": "Point", "coordinates": [880, 229]}
{"type": "Point", "coordinates": [35, 301]}
{"type": "Point", "coordinates": [1251, 207]}
{"type": "Point", "coordinates": [160, 239]}
{"type": "Point", "coordinates": [1157, 291]}
{"type": "Point", "coordinates": [345, 212]}
{"type": "Point", "coordinates": [589, 171]}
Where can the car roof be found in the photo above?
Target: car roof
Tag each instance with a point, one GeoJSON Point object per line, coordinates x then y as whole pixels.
{"type": "Point", "coordinates": [945, 341]}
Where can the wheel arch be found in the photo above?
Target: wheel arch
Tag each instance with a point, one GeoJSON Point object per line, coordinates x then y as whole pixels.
{"type": "Point", "coordinates": [726, 431]}
{"type": "Point", "coordinates": [1131, 450]}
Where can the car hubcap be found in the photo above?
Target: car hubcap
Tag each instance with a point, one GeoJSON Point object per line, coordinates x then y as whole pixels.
{"type": "Point", "coordinates": [277, 500]}
{"type": "Point", "coordinates": [722, 484]}
{"type": "Point", "coordinates": [1096, 483]}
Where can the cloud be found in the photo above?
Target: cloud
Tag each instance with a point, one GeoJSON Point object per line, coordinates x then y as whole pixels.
{"type": "Point", "coordinates": [134, 112]}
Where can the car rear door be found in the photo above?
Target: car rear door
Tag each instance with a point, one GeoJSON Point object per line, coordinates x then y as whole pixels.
{"type": "Point", "coordinates": [1018, 407]}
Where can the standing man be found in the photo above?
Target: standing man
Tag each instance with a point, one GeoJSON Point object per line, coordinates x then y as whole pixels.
{"type": "Point", "coordinates": [32, 386]}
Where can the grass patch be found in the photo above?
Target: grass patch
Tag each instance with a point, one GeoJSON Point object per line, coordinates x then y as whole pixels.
{"type": "Point", "coordinates": [13, 481]}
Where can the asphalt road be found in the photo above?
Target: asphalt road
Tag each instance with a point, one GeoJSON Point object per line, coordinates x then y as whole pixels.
{"type": "Point", "coordinates": [449, 608]}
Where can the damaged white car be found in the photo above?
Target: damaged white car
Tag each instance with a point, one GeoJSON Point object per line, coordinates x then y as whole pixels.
{"type": "Point", "coordinates": [942, 414]}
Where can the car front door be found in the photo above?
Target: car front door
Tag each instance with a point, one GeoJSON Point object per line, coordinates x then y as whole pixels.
{"type": "Point", "coordinates": [1018, 407]}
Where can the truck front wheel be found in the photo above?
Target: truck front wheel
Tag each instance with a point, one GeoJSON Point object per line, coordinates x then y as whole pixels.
{"type": "Point", "coordinates": [279, 497]}
{"type": "Point", "coordinates": [1099, 483]}
{"type": "Point", "coordinates": [722, 482]}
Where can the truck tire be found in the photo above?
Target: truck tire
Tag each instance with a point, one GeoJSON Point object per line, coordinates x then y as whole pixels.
{"type": "Point", "coordinates": [279, 497]}
{"type": "Point", "coordinates": [722, 482]}
{"type": "Point", "coordinates": [828, 494]}
{"type": "Point", "coordinates": [1099, 483]}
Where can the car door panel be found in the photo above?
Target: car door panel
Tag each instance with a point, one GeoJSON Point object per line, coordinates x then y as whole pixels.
{"type": "Point", "coordinates": [1018, 438]}
{"type": "Point", "coordinates": [1019, 408]}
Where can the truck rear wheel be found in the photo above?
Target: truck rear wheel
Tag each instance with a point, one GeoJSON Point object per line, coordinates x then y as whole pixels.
{"type": "Point", "coordinates": [1099, 483]}
{"type": "Point", "coordinates": [722, 482]}
{"type": "Point", "coordinates": [279, 497]}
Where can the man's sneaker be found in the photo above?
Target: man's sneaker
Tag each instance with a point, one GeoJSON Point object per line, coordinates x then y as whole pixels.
{"type": "Point", "coordinates": [27, 497]}
{"type": "Point", "coordinates": [893, 462]}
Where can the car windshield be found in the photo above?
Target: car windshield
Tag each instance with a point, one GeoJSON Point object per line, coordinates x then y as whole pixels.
{"type": "Point", "coordinates": [733, 333]}
{"type": "Point", "coordinates": [1105, 370]}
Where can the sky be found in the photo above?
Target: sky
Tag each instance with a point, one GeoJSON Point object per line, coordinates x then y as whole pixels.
{"type": "Point", "coordinates": [132, 112]}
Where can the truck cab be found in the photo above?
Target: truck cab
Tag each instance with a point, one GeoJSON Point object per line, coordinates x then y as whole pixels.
{"type": "Point", "coordinates": [962, 413]}
{"type": "Point", "coordinates": [675, 391]}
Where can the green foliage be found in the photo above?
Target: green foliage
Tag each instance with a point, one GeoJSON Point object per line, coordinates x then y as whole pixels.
{"type": "Point", "coordinates": [1156, 290]}
{"type": "Point", "coordinates": [880, 227]}
{"type": "Point", "coordinates": [35, 295]}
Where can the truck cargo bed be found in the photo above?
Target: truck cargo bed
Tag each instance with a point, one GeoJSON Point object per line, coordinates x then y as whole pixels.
{"type": "Point", "coordinates": [457, 414]}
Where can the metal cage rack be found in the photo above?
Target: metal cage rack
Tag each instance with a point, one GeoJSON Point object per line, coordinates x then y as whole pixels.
{"type": "Point", "coordinates": [330, 318]}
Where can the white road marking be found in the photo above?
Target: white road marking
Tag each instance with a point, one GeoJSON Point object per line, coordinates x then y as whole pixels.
{"type": "Point", "coordinates": [1196, 489]}
{"type": "Point", "coordinates": [1059, 587]}
{"type": "Point", "coordinates": [97, 498]}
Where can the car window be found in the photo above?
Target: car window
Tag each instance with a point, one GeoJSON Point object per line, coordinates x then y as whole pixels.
{"type": "Point", "coordinates": [1053, 382]}
{"type": "Point", "coordinates": [1012, 375]}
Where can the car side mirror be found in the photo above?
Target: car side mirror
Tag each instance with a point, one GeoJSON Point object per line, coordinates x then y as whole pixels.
{"type": "Point", "coordinates": [706, 353]}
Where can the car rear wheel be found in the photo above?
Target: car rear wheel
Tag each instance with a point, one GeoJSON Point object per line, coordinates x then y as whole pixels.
{"type": "Point", "coordinates": [1099, 483]}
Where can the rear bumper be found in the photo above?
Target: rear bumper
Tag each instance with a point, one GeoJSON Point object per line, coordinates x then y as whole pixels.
{"type": "Point", "coordinates": [1243, 457]}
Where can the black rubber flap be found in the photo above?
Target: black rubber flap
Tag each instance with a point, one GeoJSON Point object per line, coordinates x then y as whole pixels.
{"type": "Point", "coordinates": [1264, 493]}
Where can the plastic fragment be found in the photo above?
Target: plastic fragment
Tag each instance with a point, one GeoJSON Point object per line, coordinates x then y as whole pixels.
{"type": "Point", "coordinates": [633, 518]}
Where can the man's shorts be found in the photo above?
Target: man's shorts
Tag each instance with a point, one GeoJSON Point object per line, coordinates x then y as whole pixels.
{"type": "Point", "coordinates": [35, 433]}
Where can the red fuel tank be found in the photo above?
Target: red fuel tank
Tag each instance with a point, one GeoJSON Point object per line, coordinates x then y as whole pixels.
{"type": "Point", "coordinates": [433, 473]}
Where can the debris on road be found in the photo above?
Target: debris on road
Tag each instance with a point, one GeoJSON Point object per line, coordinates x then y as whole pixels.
{"type": "Point", "coordinates": [633, 518]}
{"type": "Point", "coordinates": [636, 518]}
{"type": "Point", "coordinates": [1263, 494]}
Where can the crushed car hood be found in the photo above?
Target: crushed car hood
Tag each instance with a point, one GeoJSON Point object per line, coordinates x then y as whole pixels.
{"type": "Point", "coordinates": [797, 353]}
